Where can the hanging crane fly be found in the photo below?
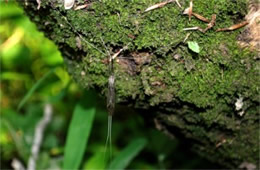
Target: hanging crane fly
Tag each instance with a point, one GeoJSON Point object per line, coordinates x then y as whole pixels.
{"type": "Point", "coordinates": [111, 96]}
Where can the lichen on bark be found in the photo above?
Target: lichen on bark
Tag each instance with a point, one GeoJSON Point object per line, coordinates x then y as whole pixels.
{"type": "Point", "coordinates": [193, 93]}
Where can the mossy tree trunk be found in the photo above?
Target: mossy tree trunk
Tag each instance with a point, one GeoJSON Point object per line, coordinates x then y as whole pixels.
{"type": "Point", "coordinates": [210, 97]}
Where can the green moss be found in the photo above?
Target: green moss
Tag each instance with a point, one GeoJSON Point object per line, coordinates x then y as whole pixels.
{"type": "Point", "coordinates": [196, 91]}
{"type": "Point", "coordinates": [159, 32]}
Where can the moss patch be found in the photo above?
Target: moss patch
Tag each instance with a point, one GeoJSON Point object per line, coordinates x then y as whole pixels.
{"type": "Point", "coordinates": [196, 91]}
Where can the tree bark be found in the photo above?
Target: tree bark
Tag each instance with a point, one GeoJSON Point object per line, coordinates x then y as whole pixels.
{"type": "Point", "coordinates": [210, 97]}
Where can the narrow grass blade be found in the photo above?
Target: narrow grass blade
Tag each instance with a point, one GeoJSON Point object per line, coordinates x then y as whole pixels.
{"type": "Point", "coordinates": [34, 88]}
{"type": "Point", "coordinates": [123, 159]}
{"type": "Point", "coordinates": [79, 131]}
{"type": "Point", "coordinates": [19, 142]}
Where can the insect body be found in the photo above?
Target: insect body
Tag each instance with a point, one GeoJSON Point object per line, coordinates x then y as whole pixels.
{"type": "Point", "coordinates": [111, 96]}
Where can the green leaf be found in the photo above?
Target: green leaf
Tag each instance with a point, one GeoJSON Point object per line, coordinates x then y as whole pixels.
{"type": "Point", "coordinates": [96, 161]}
{"type": "Point", "coordinates": [79, 131]}
{"type": "Point", "coordinates": [34, 88]}
{"type": "Point", "coordinates": [194, 46]}
{"type": "Point", "coordinates": [122, 160]}
{"type": "Point", "coordinates": [14, 76]}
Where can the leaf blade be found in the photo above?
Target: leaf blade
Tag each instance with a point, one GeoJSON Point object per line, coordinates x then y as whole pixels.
{"type": "Point", "coordinates": [78, 134]}
{"type": "Point", "coordinates": [34, 88]}
{"type": "Point", "coordinates": [122, 160]}
{"type": "Point", "coordinates": [194, 46]}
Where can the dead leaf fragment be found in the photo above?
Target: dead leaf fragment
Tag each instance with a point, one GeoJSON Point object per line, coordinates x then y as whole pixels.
{"type": "Point", "coordinates": [188, 11]}
{"type": "Point", "coordinates": [78, 43]}
{"type": "Point", "coordinates": [68, 4]}
{"type": "Point", "coordinates": [250, 37]}
{"type": "Point", "coordinates": [234, 27]}
{"type": "Point", "coordinates": [239, 103]}
{"type": "Point", "coordinates": [247, 166]}
{"type": "Point", "coordinates": [141, 58]}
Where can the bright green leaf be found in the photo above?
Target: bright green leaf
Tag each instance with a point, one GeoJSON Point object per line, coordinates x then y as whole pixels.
{"type": "Point", "coordinates": [123, 159]}
{"type": "Point", "coordinates": [194, 46]}
{"type": "Point", "coordinates": [96, 161]}
{"type": "Point", "coordinates": [79, 131]}
{"type": "Point", "coordinates": [14, 76]}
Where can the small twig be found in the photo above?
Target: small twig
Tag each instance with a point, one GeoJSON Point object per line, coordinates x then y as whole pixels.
{"type": "Point", "coordinates": [117, 53]}
{"type": "Point", "coordinates": [159, 5]}
{"type": "Point", "coordinates": [82, 6]}
{"type": "Point", "coordinates": [193, 28]}
{"type": "Point", "coordinates": [212, 23]}
{"type": "Point", "coordinates": [38, 136]}
{"type": "Point", "coordinates": [39, 4]}
{"type": "Point", "coordinates": [17, 165]}
{"type": "Point", "coordinates": [221, 143]}
{"type": "Point", "coordinates": [162, 4]}
{"type": "Point", "coordinates": [187, 36]}
{"type": "Point", "coordinates": [188, 11]}
{"type": "Point", "coordinates": [234, 27]}
{"type": "Point", "coordinates": [200, 17]}
{"type": "Point", "coordinates": [177, 2]}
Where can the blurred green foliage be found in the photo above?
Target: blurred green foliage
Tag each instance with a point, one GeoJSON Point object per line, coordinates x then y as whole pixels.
{"type": "Point", "coordinates": [79, 131]}
{"type": "Point", "coordinates": [26, 57]}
